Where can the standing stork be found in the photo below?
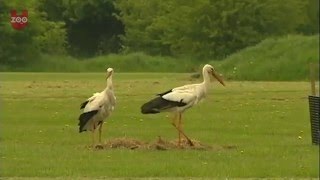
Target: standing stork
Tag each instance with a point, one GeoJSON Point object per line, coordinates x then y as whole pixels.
{"type": "Point", "coordinates": [178, 99]}
{"type": "Point", "coordinates": [97, 108]}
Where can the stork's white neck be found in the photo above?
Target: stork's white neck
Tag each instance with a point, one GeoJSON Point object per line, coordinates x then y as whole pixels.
{"type": "Point", "coordinates": [109, 83]}
{"type": "Point", "coordinates": [206, 77]}
{"type": "Point", "coordinates": [204, 86]}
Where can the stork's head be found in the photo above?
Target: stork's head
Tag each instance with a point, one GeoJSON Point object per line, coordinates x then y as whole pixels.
{"type": "Point", "coordinates": [109, 72]}
{"type": "Point", "coordinates": [212, 73]}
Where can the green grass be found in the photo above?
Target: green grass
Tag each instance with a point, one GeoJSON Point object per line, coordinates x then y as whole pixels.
{"type": "Point", "coordinates": [39, 133]}
{"type": "Point", "coordinates": [285, 59]}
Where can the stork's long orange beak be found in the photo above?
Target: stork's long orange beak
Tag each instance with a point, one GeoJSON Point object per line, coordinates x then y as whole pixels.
{"type": "Point", "coordinates": [218, 77]}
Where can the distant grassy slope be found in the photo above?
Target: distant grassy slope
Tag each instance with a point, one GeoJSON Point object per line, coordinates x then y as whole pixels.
{"type": "Point", "coordinates": [140, 62]}
{"type": "Point", "coordinates": [285, 58]}
{"type": "Point", "coordinates": [134, 62]}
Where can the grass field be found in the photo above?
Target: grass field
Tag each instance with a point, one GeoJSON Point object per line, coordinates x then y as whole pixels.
{"type": "Point", "coordinates": [263, 120]}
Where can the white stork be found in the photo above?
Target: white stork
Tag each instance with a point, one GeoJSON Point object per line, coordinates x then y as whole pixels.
{"type": "Point", "coordinates": [97, 108]}
{"type": "Point", "coordinates": [178, 99]}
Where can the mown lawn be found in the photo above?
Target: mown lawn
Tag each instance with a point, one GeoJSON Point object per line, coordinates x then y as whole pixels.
{"type": "Point", "coordinates": [266, 122]}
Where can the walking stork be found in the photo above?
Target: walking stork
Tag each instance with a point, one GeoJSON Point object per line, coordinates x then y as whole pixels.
{"type": "Point", "coordinates": [178, 99]}
{"type": "Point", "coordinates": [97, 108]}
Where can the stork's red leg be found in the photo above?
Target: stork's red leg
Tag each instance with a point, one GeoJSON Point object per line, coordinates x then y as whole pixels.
{"type": "Point", "coordinates": [179, 126]}
{"type": "Point", "coordinates": [93, 138]}
{"type": "Point", "coordinates": [180, 131]}
{"type": "Point", "coordinates": [100, 128]}
{"type": "Point", "coordinates": [174, 123]}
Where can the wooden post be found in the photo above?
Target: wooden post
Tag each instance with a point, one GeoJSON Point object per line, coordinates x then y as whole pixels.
{"type": "Point", "coordinates": [314, 105]}
{"type": "Point", "coordinates": [312, 79]}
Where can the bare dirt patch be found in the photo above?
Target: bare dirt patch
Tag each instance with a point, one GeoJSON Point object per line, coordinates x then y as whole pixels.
{"type": "Point", "coordinates": [160, 144]}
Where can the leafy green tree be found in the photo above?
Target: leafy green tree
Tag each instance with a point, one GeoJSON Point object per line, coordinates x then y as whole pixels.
{"type": "Point", "coordinates": [20, 47]}
{"type": "Point", "coordinates": [92, 27]}
{"type": "Point", "coordinates": [205, 28]}
{"type": "Point", "coordinates": [311, 23]}
{"type": "Point", "coordinates": [143, 25]}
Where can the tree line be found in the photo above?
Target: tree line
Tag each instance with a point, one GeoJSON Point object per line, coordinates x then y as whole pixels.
{"type": "Point", "coordinates": [207, 29]}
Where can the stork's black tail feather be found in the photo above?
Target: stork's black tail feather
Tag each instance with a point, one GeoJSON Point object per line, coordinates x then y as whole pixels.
{"type": "Point", "coordinates": [83, 105]}
{"type": "Point", "coordinates": [159, 104]}
{"type": "Point", "coordinates": [151, 107]}
{"type": "Point", "coordinates": [84, 118]}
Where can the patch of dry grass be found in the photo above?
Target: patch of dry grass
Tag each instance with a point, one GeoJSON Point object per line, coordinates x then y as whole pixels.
{"type": "Point", "coordinates": [159, 144]}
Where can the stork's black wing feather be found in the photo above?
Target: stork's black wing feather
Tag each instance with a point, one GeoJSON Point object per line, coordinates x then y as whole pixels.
{"type": "Point", "coordinates": [83, 105]}
{"type": "Point", "coordinates": [159, 104]}
{"type": "Point", "coordinates": [161, 94]}
{"type": "Point", "coordinates": [84, 118]}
